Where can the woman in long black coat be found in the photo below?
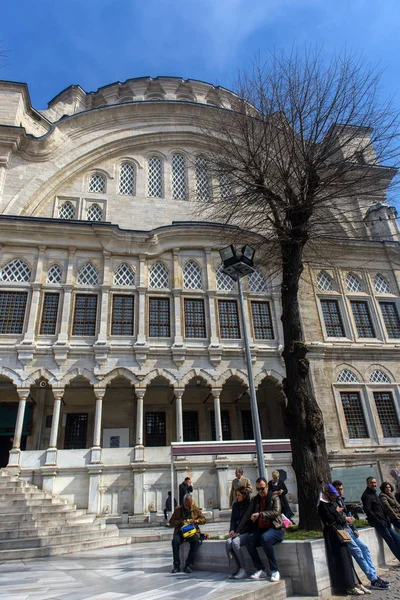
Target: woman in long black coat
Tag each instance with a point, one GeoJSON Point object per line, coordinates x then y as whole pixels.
{"type": "Point", "coordinates": [340, 564]}
{"type": "Point", "coordinates": [279, 488]}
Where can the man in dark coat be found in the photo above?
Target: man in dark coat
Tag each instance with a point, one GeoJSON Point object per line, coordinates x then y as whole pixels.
{"type": "Point", "coordinates": [185, 488]}
{"type": "Point", "coordinates": [377, 517]}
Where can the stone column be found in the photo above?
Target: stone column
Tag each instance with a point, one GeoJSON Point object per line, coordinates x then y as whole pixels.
{"type": "Point", "coordinates": [141, 288]}
{"type": "Point", "coordinates": [36, 289]}
{"type": "Point", "coordinates": [179, 418]}
{"type": "Point", "coordinates": [96, 448]}
{"type": "Point", "coordinates": [211, 290]}
{"type": "Point", "coordinates": [66, 301]}
{"type": "Point", "coordinates": [177, 291]}
{"type": "Point", "coordinates": [221, 464]}
{"type": "Point", "coordinates": [217, 414]}
{"type": "Point", "coordinates": [139, 448]}
{"type": "Point", "coordinates": [15, 452]}
{"type": "Point", "coordinates": [105, 295]}
{"type": "Point", "coordinates": [49, 471]}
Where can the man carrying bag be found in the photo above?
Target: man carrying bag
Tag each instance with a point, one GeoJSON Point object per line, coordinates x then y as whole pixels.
{"type": "Point", "coordinates": [186, 520]}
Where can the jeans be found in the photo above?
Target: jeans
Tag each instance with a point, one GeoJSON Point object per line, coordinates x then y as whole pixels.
{"type": "Point", "coordinates": [267, 539]}
{"type": "Point", "coordinates": [391, 538]}
{"type": "Point", "coordinates": [362, 555]}
{"type": "Point", "coordinates": [233, 547]}
{"type": "Point", "coordinates": [194, 542]}
{"type": "Point", "coordinates": [396, 523]}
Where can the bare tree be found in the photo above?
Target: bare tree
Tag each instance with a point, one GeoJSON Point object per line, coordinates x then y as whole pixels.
{"type": "Point", "coordinates": [304, 149]}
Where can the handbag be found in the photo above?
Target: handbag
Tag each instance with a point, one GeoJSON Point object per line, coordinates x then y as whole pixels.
{"type": "Point", "coordinates": [287, 523]}
{"type": "Point", "coordinates": [343, 536]}
{"type": "Point", "coordinates": [188, 531]}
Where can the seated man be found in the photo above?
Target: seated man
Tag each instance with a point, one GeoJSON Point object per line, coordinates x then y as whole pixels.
{"type": "Point", "coordinates": [265, 514]}
{"type": "Point", "coordinates": [186, 514]}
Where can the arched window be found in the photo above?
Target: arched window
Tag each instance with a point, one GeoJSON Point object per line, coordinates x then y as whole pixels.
{"type": "Point", "coordinates": [347, 376]}
{"type": "Point", "coordinates": [88, 275]}
{"type": "Point", "coordinates": [97, 184]}
{"type": "Point", "coordinates": [202, 180]}
{"type": "Point", "coordinates": [225, 187]}
{"type": "Point", "coordinates": [324, 282]}
{"type": "Point", "coordinates": [16, 270]}
{"type": "Point", "coordinates": [381, 284]}
{"type": "Point", "coordinates": [124, 275]}
{"type": "Point", "coordinates": [66, 211]}
{"type": "Point", "coordinates": [353, 283]}
{"type": "Point", "coordinates": [224, 282]}
{"type": "Point", "coordinates": [127, 176]}
{"type": "Point", "coordinates": [155, 188]}
{"type": "Point", "coordinates": [179, 185]}
{"type": "Point", "coordinates": [94, 213]}
{"type": "Point", "coordinates": [192, 279]}
{"type": "Point", "coordinates": [379, 377]}
{"type": "Point", "coordinates": [159, 277]}
{"type": "Point", "coordinates": [256, 282]}
{"type": "Point", "coordinates": [54, 274]}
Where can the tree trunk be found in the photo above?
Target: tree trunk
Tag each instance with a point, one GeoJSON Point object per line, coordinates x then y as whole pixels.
{"type": "Point", "coordinates": [303, 415]}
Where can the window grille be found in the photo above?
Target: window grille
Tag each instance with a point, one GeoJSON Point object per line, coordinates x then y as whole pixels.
{"type": "Point", "coordinates": [126, 180]}
{"type": "Point", "coordinates": [97, 184]}
{"type": "Point", "coordinates": [226, 425]}
{"type": "Point", "coordinates": [16, 270]}
{"type": "Point", "coordinates": [379, 377]}
{"type": "Point", "coordinates": [76, 431]}
{"type": "Point", "coordinates": [247, 425]}
{"type": "Point", "coordinates": [387, 414]}
{"type": "Point", "coordinates": [324, 282]}
{"type": "Point", "coordinates": [362, 319]}
{"type": "Point", "coordinates": [94, 213]}
{"type": "Point", "coordinates": [159, 318]}
{"type": "Point", "coordinates": [122, 315]}
{"type": "Point", "coordinates": [159, 277]}
{"type": "Point", "coordinates": [179, 191]}
{"type": "Point", "coordinates": [228, 319]}
{"type": "Point", "coordinates": [155, 177]}
{"type": "Point", "coordinates": [354, 415]}
{"type": "Point", "coordinates": [256, 282]}
{"type": "Point", "coordinates": [332, 318]}
{"type": "Point", "coordinates": [190, 425]}
{"type": "Point", "coordinates": [353, 283]}
{"type": "Point", "coordinates": [202, 180]}
{"type": "Point", "coordinates": [262, 321]}
{"type": "Point", "coordinates": [225, 187]}
{"type": "Point", "coordinates": [85, 314]}
{"type": "Point", "coordinates": [54, 274]}
{"type": "Point", "coordinates": [12, 311]}
{"type": "Point", "coordinates": [192, 279]}
{"type": "Point", "coordinates": [49, 314]}
{"type": "Point", "coordinates": [124, 275]}
{"type": "Point", "coordinates": [391, 318]}
{"type": "Point", "coordinates": [155, 429]}
{"type": "Point", "coordinates": [66, 211]}
{"type": "Point", "coordinates": [88, 275]}
{"type": "Point", "coordinates": [224, 282]}
{"type": "Point", "coordinates": [195, 322]}
{"type": "Point", "coordinates": [347, 376]}
{"type": "Point", "coordinates": [381, 284]}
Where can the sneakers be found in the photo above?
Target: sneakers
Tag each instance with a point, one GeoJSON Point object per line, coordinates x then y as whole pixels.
{"type": "Point", "coordinates": [241, 574]}
{"type": "Point", "coordinates": [355, 592]}
{"type": "Point", "coordinates": [364, 589]}
{"type": "Point", "coordinates": [380, 584]}
{"type": "Point", "coordinates": [275, 576]}
{"type": "Point", "coordinates": [259, 575]}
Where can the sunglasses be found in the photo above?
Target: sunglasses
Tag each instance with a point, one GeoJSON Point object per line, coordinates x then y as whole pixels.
{"type": "Point", "coordinates": [260, 489]}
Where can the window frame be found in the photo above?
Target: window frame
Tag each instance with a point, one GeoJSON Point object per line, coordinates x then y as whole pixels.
{"type": "Point", "coordinates": [158, 298]}
{"type": "Point", "coordinates": [365, 299]}
{"type": "Point", "coordinates": [134, 167]}
{"type": "Point", "coordinates": [378, 388]}
{"type": "Point", "coordinates": [253, 328]}
{"type": "Point", "coordinates": [162, 176]}
{"type": "Point", "coordinates": [28, 300]}
{"type": "Point", "coordinates": [384, 299]}
{"type": "Point", "coordinates": [368, 412]}
{"type": "Point", "coordinates": [230, 301]}
{"type": "Point", "coordinates": [116, 294]}
{"type": "Point", "coordinates": [57, 319]}
{"type": "Point", "coordinates": [187, 300]}
{"type": "Point", "coordinates": [84, 335]}
{"type": "Point", "coordinates": [336, 296]}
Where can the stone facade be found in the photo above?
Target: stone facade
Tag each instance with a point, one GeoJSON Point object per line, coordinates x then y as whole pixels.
{"type": "Point", "coordinates": [119, 334]}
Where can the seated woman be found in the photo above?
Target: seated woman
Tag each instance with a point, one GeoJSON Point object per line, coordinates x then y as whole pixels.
{"type": "Point", "coordinates": [389, 503]}
{"type": "Point", "coordinates": [279, 488]}
{"type": "Point", "coordinates": [235, 541]}
{"type": "Point", "coordinates": [340, 565]}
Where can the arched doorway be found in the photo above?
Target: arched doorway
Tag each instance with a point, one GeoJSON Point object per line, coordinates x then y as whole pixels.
{"type": "Point", "coordinates": [118, 417]}
{"type": "Point", "coordinates": [159, 422]}
{"type": "Point", "coordinates": [272, 402]}
{"type": "Point", "coordinates": [235, 410]}
{"type": "Point", "coordinates": [9, 400]}
{"type": "Point", "coordinates": [197, 401]}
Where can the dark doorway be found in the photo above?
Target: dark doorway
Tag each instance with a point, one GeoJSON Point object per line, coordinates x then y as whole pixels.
{"type": "Point", "coordinates": [76, 431]}
{"type": "Point", "coordinates": [155, 429]}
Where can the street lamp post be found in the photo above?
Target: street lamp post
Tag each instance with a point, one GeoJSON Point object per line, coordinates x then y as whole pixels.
{"type": "Point", "coordinates": [237, 267]}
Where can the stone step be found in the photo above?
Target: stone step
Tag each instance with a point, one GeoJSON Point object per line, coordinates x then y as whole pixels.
{"type": "Point", "coordinates": [44, 503]}
{"type": "Point", "coordinates": [62, 514]}
{"type": "Point", "coordinates": [59, 540]}
{"type": "Point", "coordinates": [34, 511]}
{"type": "Point", "coordinates": [68, 519]}
{"type": "Point", "coordinates": [60, 529]}
{"type": "Point", "coordinates": [24, 553]}
{"type": "Point", "coordinates": [25, 494]}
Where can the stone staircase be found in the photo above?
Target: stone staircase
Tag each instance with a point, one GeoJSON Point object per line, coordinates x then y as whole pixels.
{"type": "Point", "coordinates": [34, 523]}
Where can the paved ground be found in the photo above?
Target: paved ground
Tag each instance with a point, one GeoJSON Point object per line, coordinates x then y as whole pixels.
{"type": "Point", "coordinates": [136, 572]}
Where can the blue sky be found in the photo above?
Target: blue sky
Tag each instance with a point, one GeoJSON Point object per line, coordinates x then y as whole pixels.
{"type": "Point", "coordinates": [51, 44]}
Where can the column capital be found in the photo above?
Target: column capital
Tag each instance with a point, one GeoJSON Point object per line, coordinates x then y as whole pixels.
{"type": "Point", "coordinates": [179, 392]}
{"type": "Point", "coordinates": [23, 393]}
{"type": "Point", "coordinates": [140, 392]}
{"type": "Point", "coordinates": [216, 392]}
{"type": "Point", "coordinates": [58, 393]}
{"type": "Point", "coordinates": [42, 248]}
{"type": "Point", "coordinates": [99, 393]}
{"type": "Point", "coordinates": [71, 250]}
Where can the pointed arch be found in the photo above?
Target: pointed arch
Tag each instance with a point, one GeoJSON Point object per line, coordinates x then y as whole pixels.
{"type": "Point", "coordinates": [159, 276]}
{"type": "Point", "coordinates": [200, 373]}
{"type": "Point", "coordinates": [160, 373]}
{"type": "Point", "coordinates": [273, 375]}
{"type": "Point", "coordinates": [16, 270]}
{"type": "Point", "coordinates": [119, 372]}
{"type": "Point", "coordinates": [12, 375]}
{"type": "Point", "coordinates": [347, 367]}
{"type": "Point", "coordinates": [192, 276]}
{"type": "Point", "coordinates": [224, 282]}
{"type": "Point", "coordinates": [256, 282]}
{"type": "Point", "coordinates": [54, 274]}
{"type": "Point", "coordinates": [80, 372]}
{"type": "Point", "coordinates": [124, 275]}
{"type": "Point", "coordinates": [88, 274]}
{"type": "Point", "coordinates": [240, 375]}
{"type": "Point", "coordinates": [353, 283]}
{"type": "Point", "coordinates": [50, 377]}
